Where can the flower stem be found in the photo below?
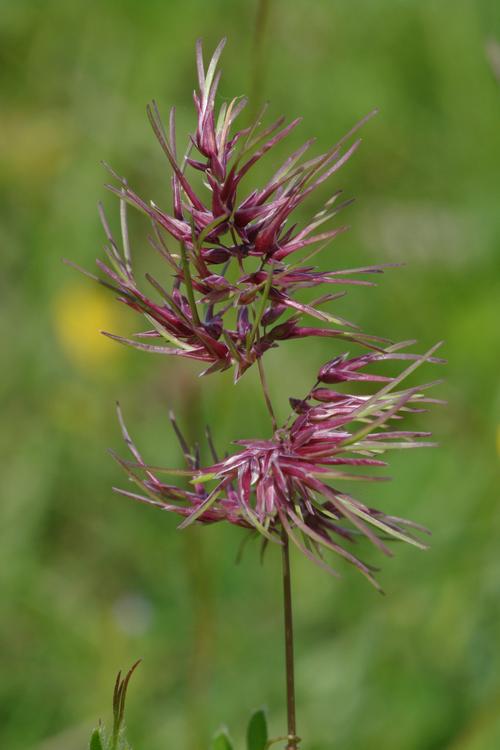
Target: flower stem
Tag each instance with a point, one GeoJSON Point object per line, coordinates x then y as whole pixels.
{"type": "Point", "coordinates": [189, 285]}
{"type": "Point", "coordinates": [265, 391]}
{"type": "Point", "coordinates": [293, 740]}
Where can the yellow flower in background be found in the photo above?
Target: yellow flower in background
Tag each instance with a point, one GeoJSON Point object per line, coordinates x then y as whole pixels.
{"type": "Point", "coordinates": [39, 143]}
{"type": "Point", "coordinates": [80, 313]}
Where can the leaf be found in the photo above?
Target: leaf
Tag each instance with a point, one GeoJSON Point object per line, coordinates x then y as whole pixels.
{"type": "Point", "coordinates": [257, 731]}
{"type": "Point", "coordinates": [221, 741]}
{"type": "Point", "coordinates": [96, 741]}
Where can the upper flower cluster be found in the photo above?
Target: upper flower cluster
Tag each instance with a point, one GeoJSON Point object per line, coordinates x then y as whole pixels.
{"type": "Point", "coordinates": [230, 316]}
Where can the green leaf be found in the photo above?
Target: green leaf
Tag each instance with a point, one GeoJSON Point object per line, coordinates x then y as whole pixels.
{"type": "Point", "coordinates": [96, 741]}
{"type": "Point", "coordinates": [221, 741]}
{"type": "Point", "coordinates": [257, 731]}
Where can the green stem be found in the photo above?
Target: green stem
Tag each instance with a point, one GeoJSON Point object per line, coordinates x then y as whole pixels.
{"type": "Point", "coordinates": [289, 660]}
{"type": "Point", "coordinates": [265, 391]}
{"type": "Point", "coordinates": [189, 285]}
{"type": "Point", "coordinates": [262, 308]}
{"type": "Point", "coordinates": [292, 739]}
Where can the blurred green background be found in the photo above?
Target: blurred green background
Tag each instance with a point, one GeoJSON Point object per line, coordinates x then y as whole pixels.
{"type": "Point", "coordinates": [91, 581]}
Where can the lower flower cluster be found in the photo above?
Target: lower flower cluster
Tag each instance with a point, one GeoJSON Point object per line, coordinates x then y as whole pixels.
{"type": "Point", "coordinates": [293, 482]}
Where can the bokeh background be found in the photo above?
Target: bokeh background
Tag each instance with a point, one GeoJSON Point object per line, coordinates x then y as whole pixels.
{"type": "Point", "coordinates": [91, 581]}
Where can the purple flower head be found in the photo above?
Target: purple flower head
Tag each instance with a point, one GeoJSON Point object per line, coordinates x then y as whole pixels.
{"type": "Point", "coordinates": [222, 226]}
{"type": "Point", "coordinates": [237, 263]}
{"type": "Point", "coordinates": [295, 480]}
